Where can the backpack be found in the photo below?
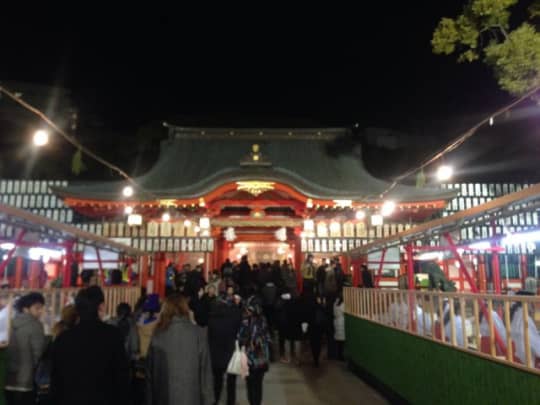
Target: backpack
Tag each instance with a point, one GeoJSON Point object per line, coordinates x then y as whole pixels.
{"type": "Point", "coordinates": [227, 271]}
{"type": "Point", "coordinates": [330, 282]}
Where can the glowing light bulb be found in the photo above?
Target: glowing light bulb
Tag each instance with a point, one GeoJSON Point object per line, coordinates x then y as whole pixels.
{"type": "Point", "coordinates": [127, 191]}
{"type": "Point", "coordinates": [445, 172]}
{"type": "Point", "coordinates": [41, 138]}
{"type": "Point", "coordinates": [388, 208]}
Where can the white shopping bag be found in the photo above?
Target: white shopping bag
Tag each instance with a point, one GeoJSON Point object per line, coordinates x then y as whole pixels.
{"type": "Point", "coordinates": [238, 365]}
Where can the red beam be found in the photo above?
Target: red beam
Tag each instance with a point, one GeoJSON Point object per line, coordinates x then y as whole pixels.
{"type": "Point", "coordinates": [379, 274]}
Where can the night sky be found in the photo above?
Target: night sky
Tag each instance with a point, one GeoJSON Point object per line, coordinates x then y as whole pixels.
{"type": "Point", "coordinates": [371, 66]}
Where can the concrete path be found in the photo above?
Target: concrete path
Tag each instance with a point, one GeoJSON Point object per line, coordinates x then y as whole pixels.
{"type": "Point", "coordinates": [331, 384]}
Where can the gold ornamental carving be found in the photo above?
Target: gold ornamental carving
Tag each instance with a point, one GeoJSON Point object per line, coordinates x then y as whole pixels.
{"type": "Point", "coordinates": [255, 188]}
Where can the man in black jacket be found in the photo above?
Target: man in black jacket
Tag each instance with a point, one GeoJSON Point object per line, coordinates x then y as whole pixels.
{"type": "Point", "coordinates": [223, 325]}
{"type": "Point", "coordinates": [89, 363]}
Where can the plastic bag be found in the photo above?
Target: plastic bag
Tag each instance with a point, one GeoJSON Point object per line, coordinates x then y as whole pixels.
{"type": "Point", "coordinates": [238, 365]}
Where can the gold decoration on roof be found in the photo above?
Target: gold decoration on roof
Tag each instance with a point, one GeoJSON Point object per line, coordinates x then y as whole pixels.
{"type": "Point", "coordinates": [255, 188]}
{"type": "Point", "coordinates": [167, 202]}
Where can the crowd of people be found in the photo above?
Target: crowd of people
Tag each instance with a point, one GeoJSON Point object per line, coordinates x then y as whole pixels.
{"type": "Point", "coordinates": [177, 350]}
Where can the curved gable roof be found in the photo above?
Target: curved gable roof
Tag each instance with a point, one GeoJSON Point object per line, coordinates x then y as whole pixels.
{"type": "Point", "coordinates": [194, 161]}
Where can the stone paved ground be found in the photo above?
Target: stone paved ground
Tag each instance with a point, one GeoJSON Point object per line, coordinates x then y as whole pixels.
{"type": "Point", "coordinates": [331, 384]}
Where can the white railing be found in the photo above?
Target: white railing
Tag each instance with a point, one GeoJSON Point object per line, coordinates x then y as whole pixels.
{"type": "Point", "coordinates": [55, 300]}
{"type": "Point", "coordinates": [459, 320]}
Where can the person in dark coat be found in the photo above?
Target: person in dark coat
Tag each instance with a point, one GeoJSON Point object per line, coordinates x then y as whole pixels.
{"type": "Point", "coordinates": [26, 346]}
{"type": "Point", "coordinates": [89, 362]}
{"type": "Point", "coordinates": [179, 371]}
{"type": "Point", "coordinates": [290, 327]}
{"type": "Point", "coordinates": [367, 277]}
{"type": "Point", "coordinates": [200, 306]}
{"type": "Point", "coordinates": [194, 282]}
{"type": "Point", "coordinates": [314, 313]}
{"type": "Point", "coordinates": [269, 293]}
{"type": "Point", "coordinates": [244, 276]}
{"type": "Point", "coordinates": [223, 325]}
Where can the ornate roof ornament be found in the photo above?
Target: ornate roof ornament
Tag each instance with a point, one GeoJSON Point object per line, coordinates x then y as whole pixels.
{"type": "Point", "coordinates": [254, 187]}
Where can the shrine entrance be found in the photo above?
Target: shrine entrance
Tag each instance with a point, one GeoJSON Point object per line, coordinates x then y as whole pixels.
{"type": "Point", "coordinates": [261, 252]}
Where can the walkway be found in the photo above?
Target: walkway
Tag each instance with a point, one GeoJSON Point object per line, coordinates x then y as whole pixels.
{"type": "Point", "coordinates": [331, 384]}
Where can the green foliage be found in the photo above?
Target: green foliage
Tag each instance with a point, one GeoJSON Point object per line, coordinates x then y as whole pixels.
{"type": "Point", "coordinates": [534, 9]}
{"type": "Point", "coordinates": [516, 61]}
{"type": "Point", "coordinates": [482, 31]}
{"type": "Point", "coordinates": [77, 164]}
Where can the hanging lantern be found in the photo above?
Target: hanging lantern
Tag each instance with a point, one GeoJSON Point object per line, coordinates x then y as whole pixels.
{"type": "Point", "coordinates": [204, 223]}
{"type": "Point", "coordinates": [134, 220]}
{"type": "Point", "coordinates": [388, 208]}
{"type": "Point", "coordinates": [334, 227]}
{"type": "Point", "coordinates": [376, 220]}
{"type": "Point", "coordinates": [309, 225]}
{"type": "Point", "coordinates": [360, 215]}
{"type": "Point", "coordinates": [281, 234]}
{"type": "Point", "coordinates": [229, 234]}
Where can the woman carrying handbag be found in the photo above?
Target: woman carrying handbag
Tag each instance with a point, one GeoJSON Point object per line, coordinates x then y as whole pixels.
{"type": "Point", "coordinates": [254, 337]}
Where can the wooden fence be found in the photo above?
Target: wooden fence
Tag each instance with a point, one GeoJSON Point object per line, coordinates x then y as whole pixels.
{"type": "Point", "coordinates": [56, 300]}
{"type": "Point", "coordinates": [487, 325]}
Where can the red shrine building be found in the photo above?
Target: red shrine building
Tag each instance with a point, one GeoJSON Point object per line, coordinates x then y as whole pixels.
{"type": "Point", "coordinates": [273, 194]}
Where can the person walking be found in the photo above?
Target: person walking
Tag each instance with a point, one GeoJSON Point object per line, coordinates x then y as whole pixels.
{"type": "Point", "coordinates": [339, 327]}
{"type": "Point", "coordinates": [308, 273]}
{"type": "Point", "coordinates": [89, 362]}
{"type": "Point", "coordinates": [255, 338]}
{"type": "Point", "coordinates": [223, 326]}
{"type": "Point", "coordinates": [26, 346]}
{"type": "Point", "coordinates": [179, 371]}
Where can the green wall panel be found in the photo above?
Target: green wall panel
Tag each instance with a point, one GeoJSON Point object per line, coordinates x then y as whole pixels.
{"type": "Point", "coordinates": [425, 372]}
{"type": "Point", "coordinates": [2, 375]}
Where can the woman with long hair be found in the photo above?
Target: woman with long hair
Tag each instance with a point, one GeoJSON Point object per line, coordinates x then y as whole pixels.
{"type": "Point", "coordinates": [178, 362]}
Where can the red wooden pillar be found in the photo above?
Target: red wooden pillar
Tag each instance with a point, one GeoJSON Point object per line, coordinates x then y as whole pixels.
{"type": "Point", "coordinates": [297, 262]}
{"type": "Point", "coordinates": [482, 279]}
{"type": "Point", "coordinates": [410, 267]}
{"type": "Point", "coordinates": [144, 271]}
{"type": "Point", "coordinates": [355, 273]}
{"type": "Point", "coordinates": [298, 259]}
{"type": "Point", "coordinates": [523, 269]}
{"type": "Point", "coordinates": [495, 265]}
{"type": "Point", "coordinates": [19, 263]}
{"type": "Point", "coordinates": [66, 271]}
{"type": "Point", "coordinates": [445, 268]}
{"type": "Point", "coordinates": [160, 264]}
{"type": "Point", "coordinates": [33, 273]}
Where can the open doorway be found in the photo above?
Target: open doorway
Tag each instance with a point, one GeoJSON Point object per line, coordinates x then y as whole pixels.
{"type": "Point", "coordinates": [261, 252]}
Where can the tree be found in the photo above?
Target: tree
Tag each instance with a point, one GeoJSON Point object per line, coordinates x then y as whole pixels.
{"type": "Point", "coordinates": [483, 32]}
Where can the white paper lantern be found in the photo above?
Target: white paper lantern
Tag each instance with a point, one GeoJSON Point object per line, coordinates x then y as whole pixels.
{"type": "Point", "coordinates": [230, 234]}
{"type": "Point", "coordinates": [281, 234]}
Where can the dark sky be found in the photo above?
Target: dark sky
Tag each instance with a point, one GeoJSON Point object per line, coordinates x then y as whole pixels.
{"type": "Point", "coordinates": [372, 65]}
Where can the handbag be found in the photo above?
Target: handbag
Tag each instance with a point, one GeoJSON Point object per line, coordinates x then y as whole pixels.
{"type": "Point", "coordinates": [238, 365]}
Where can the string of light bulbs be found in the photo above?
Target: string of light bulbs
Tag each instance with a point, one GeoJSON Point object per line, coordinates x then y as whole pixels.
{"type": "Point", "coordinates": [41, 140]}
{"type": "Point", "coordinates": [458, 141]}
